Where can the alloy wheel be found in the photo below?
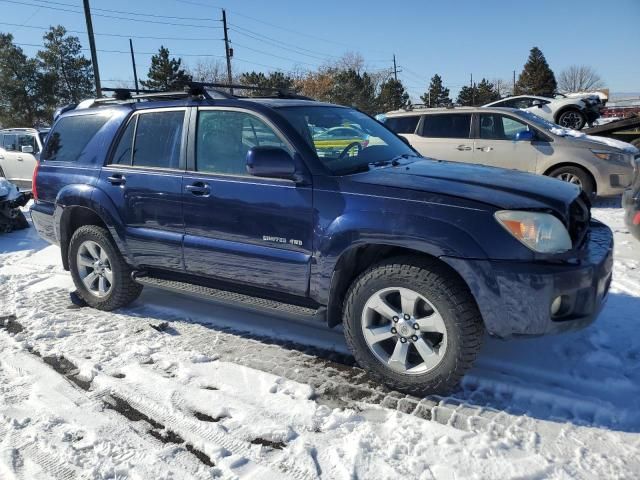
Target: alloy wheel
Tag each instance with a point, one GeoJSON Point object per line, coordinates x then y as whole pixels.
{"type": "Point", "coordinates": [94, 268]}
{"type": "Point", "coordinates": [404, 330]}
{"type": "Point", "coordinates": [571, 120]}
{"type": "Point", "coordinates": [570, 178]}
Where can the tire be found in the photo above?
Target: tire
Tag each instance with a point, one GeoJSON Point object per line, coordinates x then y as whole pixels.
{"type": "Point", "coordinates": [458, 329]}
{"type": "Point", "coordinates": [122, 290]}
{"type": "Point", "coordinates": [577, 176]}
{"type": "Point", "coordinates": [572, 118]}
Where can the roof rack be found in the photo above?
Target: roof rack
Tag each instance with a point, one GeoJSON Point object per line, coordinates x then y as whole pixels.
{"type": "Point", "coordinates": [275, 92]}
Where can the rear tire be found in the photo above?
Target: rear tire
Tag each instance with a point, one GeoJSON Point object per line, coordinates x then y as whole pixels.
{"type": "Point", "coordinates": [572, 118]}
{"type": "Point", "coordinates": [438, 331]}
{"type": "Point", "coordinates": [100, 274]}
{"type": "Point", "coordinates": [577, 176]}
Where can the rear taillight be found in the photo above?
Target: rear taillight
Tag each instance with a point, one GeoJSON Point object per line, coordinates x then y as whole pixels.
{"type": "Point", "coordinates": [34, 188]}
{"type": "Point", "coordinates": [636, 219]}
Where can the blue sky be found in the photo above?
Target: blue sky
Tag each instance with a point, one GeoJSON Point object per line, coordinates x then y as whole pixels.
{"type": "Point", "coordinates": [488, 38]}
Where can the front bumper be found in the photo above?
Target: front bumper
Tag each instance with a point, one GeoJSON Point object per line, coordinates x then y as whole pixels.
{"type": "Point", "coordinates": [631, 204]}
{"type": "Point", "coordinates": [515, 298]}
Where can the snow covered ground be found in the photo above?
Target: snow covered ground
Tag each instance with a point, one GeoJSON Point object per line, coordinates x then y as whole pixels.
{"type": "Point", "coordinates": [177, 388]}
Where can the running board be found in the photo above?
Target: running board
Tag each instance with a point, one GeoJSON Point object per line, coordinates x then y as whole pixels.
{"type": "Point", "coordinates": [232, 298]}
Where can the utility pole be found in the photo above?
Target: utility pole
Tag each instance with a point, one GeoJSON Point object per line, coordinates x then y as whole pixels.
{"type": "Point", "coordinates": [473, 93]}
{"type": "Point", "coordinates": [513, 92]}
{"type": "Point", "coordinates": [395, 68]}
{"type": "Point", "coordinates": [228, 51]}
{"type": "Point", "coordinates": [92, 46]}
{"type": "Point", "coordinates": [133, 62]}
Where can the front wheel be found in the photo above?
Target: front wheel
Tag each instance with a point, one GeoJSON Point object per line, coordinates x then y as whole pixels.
{"type": "Point", "coordinates": [573, 119]}
{"type": "Point", "coordinates": [413, 325]}
{"type": "Point", "coordinates": [576, 176]}
{"type": "Point", "coordinates": [100, 274]}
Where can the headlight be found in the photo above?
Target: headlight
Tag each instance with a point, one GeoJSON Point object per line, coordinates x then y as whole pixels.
{"type": "Point", "coordinates": [610, 156]}
{"type": "Point", "coordinates": [540, 232]}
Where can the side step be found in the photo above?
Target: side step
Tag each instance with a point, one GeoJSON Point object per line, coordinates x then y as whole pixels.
{"type": "Point", "coordinates": [233, 298]}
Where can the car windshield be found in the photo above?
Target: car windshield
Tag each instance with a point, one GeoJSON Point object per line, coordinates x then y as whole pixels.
{"type": "Point", "coordinates": [346, 140]}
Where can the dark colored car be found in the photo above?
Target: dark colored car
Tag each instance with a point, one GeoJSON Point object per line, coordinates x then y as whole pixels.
{"type": "Point", "coordinates": [230, 198]}
{"type": "Point", "coordinates": [631, 203]}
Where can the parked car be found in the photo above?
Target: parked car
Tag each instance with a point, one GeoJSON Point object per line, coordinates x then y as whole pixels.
{"type": "Point", "coordinates": [332, 141]}
{"type": "Point", "coordinates": [518, 139]}
{"type": "Point", "coordinates": [631, 204]}
{"type": "Point", "coordinates": [566, 111]}
{"type": "Point", "coordinates": [11, 199]}
{"type": "Point", "coordinates": [18, 150]}
{"type": "Point", "coordinates": [416, 257]}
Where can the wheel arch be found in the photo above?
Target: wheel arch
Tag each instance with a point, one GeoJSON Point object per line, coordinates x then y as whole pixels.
{"type": "Point", "coordinates": [556, 166]}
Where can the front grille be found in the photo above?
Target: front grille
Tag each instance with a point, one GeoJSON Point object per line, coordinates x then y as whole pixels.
{"type": "Point", "coordinates": [579, 218]}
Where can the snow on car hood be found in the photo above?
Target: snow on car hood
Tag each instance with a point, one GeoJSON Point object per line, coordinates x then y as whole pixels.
{"type": "Point", "coordinates": [609, 142]}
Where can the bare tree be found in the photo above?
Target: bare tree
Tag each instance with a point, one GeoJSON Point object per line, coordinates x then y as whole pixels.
{"type": "Point", "coordinates": [210, 71]}
{"type": "Point", "coordinates": [503, 87]}
{"type": "Point", "coordinates": [579, 78]}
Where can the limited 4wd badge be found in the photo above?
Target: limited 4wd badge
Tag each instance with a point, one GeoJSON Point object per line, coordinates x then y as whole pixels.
{"type": "Point", "coordinates": [292, 241]}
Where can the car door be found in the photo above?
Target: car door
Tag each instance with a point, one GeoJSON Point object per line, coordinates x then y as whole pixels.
{"type": "Point", "coordinates": [240, 228]}
{"type": "Point", "coordinates": [445, 136]}
{"type": "Point", "coordinates": [8, 155]}
{"type": "Point", "coordinates": [143, 178]}
{"type": "Point", "coordinates": [496, 143]}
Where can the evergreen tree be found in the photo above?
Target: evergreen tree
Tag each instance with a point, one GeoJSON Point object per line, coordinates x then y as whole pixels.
{"type": "Point", "coordinates": [354, 89]}
{"type": "Point", "coordinates": [392, 96]}
{"type": "Point", "coordinates": [67, 74]}
{"type": "Point", "coordinates": [21, 99]}
{"type": "Point", "coordinates": [536, 77]}
{"type": "Point", "coordinates": [480, 94]}
{"type": "Point", "coordinates": [466, 96]}
{"type": "Point", "coordinates": [272, 80]}
{"type": "Point", "coordinates": [165, 73]}
{"type": "Point", "coordinates": [437, 95]}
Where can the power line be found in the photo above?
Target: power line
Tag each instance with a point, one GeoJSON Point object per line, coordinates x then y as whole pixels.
{"type": "Point", "coordinates": [111, 16]}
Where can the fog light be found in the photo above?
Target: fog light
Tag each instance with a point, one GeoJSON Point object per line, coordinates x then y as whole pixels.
{"type": "Point", "coordinates": [556, 305]}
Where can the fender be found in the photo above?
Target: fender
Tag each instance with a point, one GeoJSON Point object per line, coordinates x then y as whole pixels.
{"type": "Point", "coordinates": [432, 236]}
{"type": "Point", "coordinates": [95, 200]}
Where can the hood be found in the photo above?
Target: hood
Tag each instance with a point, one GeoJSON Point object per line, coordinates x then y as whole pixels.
{"type": "Point", "coordinates": [592, 141]}
{"type": "Point", "coordinates": [504, 189]}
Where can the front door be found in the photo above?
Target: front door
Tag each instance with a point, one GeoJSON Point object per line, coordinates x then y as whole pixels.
{"type": "Point", "coordinates": [445, 136]}
{"type": "Point", "coordinates": [7, 155]}
{"type": "Point", "coordinates": [144, 180]}
{"type": "Point", "coordinates": [496, 143]}
{"type": "Point", "coordinates": [241, 228]}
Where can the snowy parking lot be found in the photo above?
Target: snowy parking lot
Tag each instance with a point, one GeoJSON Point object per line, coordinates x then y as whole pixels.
{"type": "Point", "coordinates": [179, 388]}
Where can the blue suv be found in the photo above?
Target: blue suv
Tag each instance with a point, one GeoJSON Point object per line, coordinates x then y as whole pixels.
{"type": "Point", "coordinates": [244, 200]}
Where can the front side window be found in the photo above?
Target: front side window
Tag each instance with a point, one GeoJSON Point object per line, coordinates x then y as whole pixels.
{"type": "Point", "coordinates": [454, 125]}
{"type": "Point", "coordinates": [403, 124]}
{"type": "Point", "coordinates": [224, 137]}
{"type": "Point", "coordinates": [494, 126]}
{"type": "Point", "coordinates": [345, 140]}
{"type": "Point", "coordinates": [27, 140]}
{"type": "Point", "coordinates": [71, 135]}
{"type": "Point", "coordinates": [158, 139]}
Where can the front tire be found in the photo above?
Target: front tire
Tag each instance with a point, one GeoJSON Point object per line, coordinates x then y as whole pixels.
{"type": "Point", "coordinates": [100, 274]}
{"type": "Point", "coordinates": [576, 176]}
{"type": "Point", "coordinates": [572, 118]}
{"type": "Point", "coordinates": [413, 325]}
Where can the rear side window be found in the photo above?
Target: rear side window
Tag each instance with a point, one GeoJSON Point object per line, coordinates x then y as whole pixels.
{"type": "Point", "coordinates": [122, 154]}
{"type": "Point", "coordinates": [402, 124]}
{"type": "Point", "coordinates": [71, 135]}
{"type": "Point", "coordinates": [9, 141]}
{"type": "Point", "coordinates": [158, 139]}
{"type": "Point", "coordinates": [456, 125]}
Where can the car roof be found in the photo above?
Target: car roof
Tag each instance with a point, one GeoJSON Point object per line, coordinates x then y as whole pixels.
{"type": "Point", "coordinates": [18, 129]}
{"type": "Point", "coordinates": [431, 111]}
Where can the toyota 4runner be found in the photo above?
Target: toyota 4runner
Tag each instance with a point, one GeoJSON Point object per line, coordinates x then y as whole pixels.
{"type": "Point", "coordinates": [233, 199]}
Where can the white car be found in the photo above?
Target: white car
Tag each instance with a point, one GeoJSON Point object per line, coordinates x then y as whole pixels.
{"type": "Point", "coordinates": [18, 150]}
{"type": "Point", "coordinates": [567, 111]}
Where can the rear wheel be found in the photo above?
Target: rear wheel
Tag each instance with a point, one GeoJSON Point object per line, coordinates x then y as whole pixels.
{"type": "Point", "coordinates": [576, 176]}
{"type": "Point", "coordinates": [572, 118]}
{"type": "Point", "coordinates": [100, 274]}
{"type": "Point", "coordinates": [413, 325]}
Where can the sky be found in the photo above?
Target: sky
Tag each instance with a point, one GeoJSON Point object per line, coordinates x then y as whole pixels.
{"type": "Point", "coordinates": [489, 38]}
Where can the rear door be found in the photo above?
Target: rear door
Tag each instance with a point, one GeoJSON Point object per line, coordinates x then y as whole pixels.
{"type": "Point", "coordinates": [496, 143]}
{"type": "Point", "coordinates": [7, 155]}
{"type": "Point", "coordinates": [143, 178]}
{"type": "Point", "coordinates": [241, 228]}
{"type": "Point", "coordinates": [445, 136]}
{"type": "Point", "coordinates": [25, 162]}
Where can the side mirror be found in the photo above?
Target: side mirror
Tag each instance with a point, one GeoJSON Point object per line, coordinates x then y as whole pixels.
{"type": "Point", "coordinates": [537, 103]}
{"type": "Point", "coordinates": [271, 162]}
{"type": "Point", "coordinates": [26, 149]}
{"type": "Point", "coordinates": [525, 136]}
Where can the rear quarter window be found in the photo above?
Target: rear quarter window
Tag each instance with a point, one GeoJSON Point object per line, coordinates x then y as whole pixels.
{"type": "Point", "coordinates": [402, 124]}
{"type": "Point", "coordinates": [71, 135]}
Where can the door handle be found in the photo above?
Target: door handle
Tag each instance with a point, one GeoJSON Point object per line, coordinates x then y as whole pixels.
{"type": "Point", "coordinates": [20, 159]}
{"type": "Point", "coordinates": [199, 189]}
{"type": "Point", "coordinates": [117, 179]}
{"type": "Point", "coordinates": [484, 149]}
{"type": "Point", "coordinates": [463, 148]}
